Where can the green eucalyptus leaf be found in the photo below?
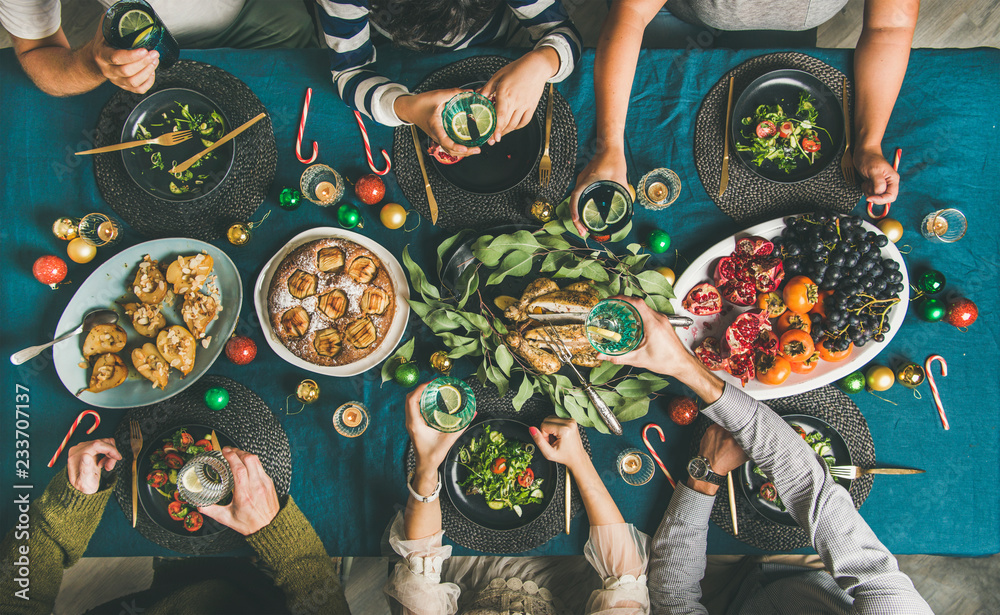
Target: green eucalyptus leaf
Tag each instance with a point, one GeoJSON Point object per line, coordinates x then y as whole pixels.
{"type": "Point", "coordinates": [444, 319]}
{"type": "Point", "coordinates": [595, 272]}
{"type": "Point", "coordinates": [481, 372]}
{"type": "Point", "coordinates": [446, 245]}
{"type": "Point", "coordinates": [524, 392]}
{"type": "Point", "coordinates": [517, 264]}
{"type": "Point", "coordinates": [632, 409]}
{"type": "Point", "coordinates": [495, 376]}
{"type": "Point", "coordinates": [654, 283]}
{"type": "Point", "coordinates": [467, 285]}
{"type": "Point", "coordinates": [478, 321]}
{"type": "Point", "coordinates": [554, 260]}
{"type": "Point", "coordinates": [622, 234]}
{"type": "Point", "coordinates": [577, 408]}
{"type": "Point", "coordinates": [659, 303]}
{"type": "Point", "coordinates": [417, 278]}
{"type": "Point", "coordinates": [420, 308]}
{"type": "Point", "coordinates": [389, 369]}
{"type": "Point", "coordinates": [594, 417]}
{"type": "Point", "coordinates": [633, 248]}
{"type": "Point", "coordinates": [504, 359]}
{"type": "Point", "coordinates": [499, 326]}
{"type": "Point", "coordinates": [604, 372]}
{"type": "Point", "coordinates": [614, 284]}
{"type": "Point", "coordinates": [633, 387]}
{"type": "Point", "coordinates": [640, 263]}
{"type": "Point", "coordinates": [552, 242]}
{"type": "Point", "coordinates": [403, 353]}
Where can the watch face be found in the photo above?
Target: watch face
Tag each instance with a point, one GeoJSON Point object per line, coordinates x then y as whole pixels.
{"type": "Point", "coordinates": [697, 468]}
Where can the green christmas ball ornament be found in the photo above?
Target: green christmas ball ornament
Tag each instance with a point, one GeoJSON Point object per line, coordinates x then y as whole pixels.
{"type": "Point", "coordinates": [658, 241]}
{"type": "Point", "coordinates": [852, 383]}
{"type": "Point", "coordinates": [931, 309]}
{"type": "Point", "coordinates": [290, 199]}
{"type": "Point", "coordinates": [349, 216]}
{"type": "Point", "coordinates": [406, 374]}
{"type": "Point", "coordinates": [931, 282]}
{"type": "Point", "coordinates": [216, 398]}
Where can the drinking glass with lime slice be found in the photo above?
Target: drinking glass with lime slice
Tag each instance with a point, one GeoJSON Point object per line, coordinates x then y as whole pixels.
{"type": "Point", "coordinates": [605, 207]}
{"type": "Point", "coordinates": [448, 404]}
{"type": "Point", "coordinates": [133, 24]}
{"type": "Point", "coordinates": [469, 119]}
{"type": "Point", "coordinates": [614, 327]}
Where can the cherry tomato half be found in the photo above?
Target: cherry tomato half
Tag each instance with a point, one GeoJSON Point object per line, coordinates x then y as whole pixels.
{"type": "Point", "coordinates": [499, 465]}
{"type": "Point", "coordinates": [173, 461]}
{"type": "Point", "coordinates": [178, 498]}
{"type": "Point", "coordinates": [768, 492]}
{"type": "Point", "coordinates": [157, 478]}
{"type": "Point", "coordinates": [766, 129]}
{"type": "Point", "coordinates": [193, 521]}
{"type": "Point", "coordinates": [205, 444]}
{"type": "Point", "coordinates": [526, 478]}
{"type": "Point", "coordinates": [810, 145]}
{"type": "Point", "coordinates": [186, 439]}
{"type": "Point", "coordinates": [177, 511]}
{"type": "Point", "coordinates": [786, 129]}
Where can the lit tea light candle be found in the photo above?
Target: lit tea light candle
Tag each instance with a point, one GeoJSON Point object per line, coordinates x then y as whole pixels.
{"type": "Point", "coordinates": [937, 225]}
{"type": "Point", "coordinates": [352, 416]}
{"type": "Point", "coordinates": [631, 464]}
{"type": "Point", "coordinates": [107, 231]}
{"type": "Point", "coordinates": [656, 191]}
{"type": "Point", "coordinates": [324, 191]}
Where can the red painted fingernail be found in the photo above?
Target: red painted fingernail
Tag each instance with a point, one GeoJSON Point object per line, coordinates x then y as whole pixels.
{"type": "Point", "coordinates": [533, 431]}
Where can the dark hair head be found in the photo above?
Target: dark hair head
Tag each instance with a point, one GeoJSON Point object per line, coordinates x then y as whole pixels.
{"type": "Point", "coordinates": [423, 24]}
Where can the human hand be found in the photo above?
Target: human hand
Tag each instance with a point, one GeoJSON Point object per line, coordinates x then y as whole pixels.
{"type": "Point", "coordinates": [880, 181]}
{"type": "Point", "coordinates": [424, 110]}
{"type": "Point", "coordinates": [255, 501]}
{"type": "Point", "coordinates": [721, 450]}
{"type": "Point", "coordinates": [660, 350]}
{"type": "Point", "coordinates": [130, 69]}
{"type": "Point", "coordinates": [517, 87]}
{"type": "Point", "coordinates": [430, 445]}
{"type": "Point", "coordinates": [86, 460]}
{"type": "Point", "coordinates": [559, 440]}
{"type": "Point", "coordinates": [609, 164]}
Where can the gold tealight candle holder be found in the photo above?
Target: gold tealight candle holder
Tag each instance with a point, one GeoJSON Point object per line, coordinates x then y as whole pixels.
{"type": "Point", "coordinates": [99, 229]}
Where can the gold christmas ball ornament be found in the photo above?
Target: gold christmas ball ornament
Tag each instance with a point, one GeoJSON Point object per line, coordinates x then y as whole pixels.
{"type": "Point", "coordinates": [879, 378]}
{"type": "Point", "coordinates": [66, 229]}
{"type": "Point", "coordinates": [238, 234]}
{"type": "Point", "coordinates": [542, 211]}
{"type": "Point", "coordinates": [892, 229]}
{"type": "Point", "coordinates": [910, 375]}
{"type": "Point", "coordinates": [81, 251]}
{"type": "Point", "coordinates": [393, 215]}
{"type": "Point", "coordinates": [441, 362]}
{"type": "Point", "coordinates": [307, 391]}
{"type": "Point", "coordinates": [668, 273]}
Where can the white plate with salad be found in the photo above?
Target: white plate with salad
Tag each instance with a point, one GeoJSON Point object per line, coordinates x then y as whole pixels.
{"type": "Point", "coordinates": [825, 442]}
{"type": "Point", "coordinates": [495, 477]}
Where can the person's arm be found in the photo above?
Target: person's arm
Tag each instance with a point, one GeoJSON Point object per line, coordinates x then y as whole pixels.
{"type": "Point", "coordinates": [879, 66]}
{"type": "Point", "coordinates": [281, 536]}
{"type": "Point", "coordinates": [614, 70]}
{"type": "Point", "coordinates": [852, 553]}
{"type": "Point", "coordinates": [616, 550]}
{"type": "Point", "coordinates": [58, 529]}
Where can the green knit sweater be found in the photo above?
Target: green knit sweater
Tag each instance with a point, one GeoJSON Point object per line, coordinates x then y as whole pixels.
{"type": "Point", "coordinates": [63, 520]}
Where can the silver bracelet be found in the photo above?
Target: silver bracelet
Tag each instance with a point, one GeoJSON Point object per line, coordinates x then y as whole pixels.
{"type": "Point", "coordinates": [425, 499]}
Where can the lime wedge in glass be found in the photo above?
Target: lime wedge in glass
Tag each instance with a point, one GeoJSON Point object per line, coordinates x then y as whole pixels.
{"type": "Point", "coordinates": [451, 399]}
{"type": "Point", "coordinates": [460, 126]}
{"type": "Point", "coordinates": [133, 21]}
{"type": "Point", "coordinates": [143, 36]}
{"type": "Point", "coordinates": [191, 482]}
{"type": "Point", "coordinates": [483, 117]}
{"type": "Point", "coordinates": [447, 421]}
{"type": "Point", "coordinates": [592, 218]}
{"type": "Point", "coordinates": [618, 209]}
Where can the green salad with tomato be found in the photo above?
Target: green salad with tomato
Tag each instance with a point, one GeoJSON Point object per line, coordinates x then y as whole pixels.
{"type": "Point", "coordinates": [167, 460]}
{"type": "Point", "coordinates": [820, 444]}
{"type": "Point", "coordinates": [499, 471]}
{"type": "Point", "coordinates": [784, 139]}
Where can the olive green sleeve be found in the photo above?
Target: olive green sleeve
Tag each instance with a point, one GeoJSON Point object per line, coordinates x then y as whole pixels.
{"type": "Point", "coordinates": [58, 529]}
{"type": "Point", "coordinates": [302, 569]}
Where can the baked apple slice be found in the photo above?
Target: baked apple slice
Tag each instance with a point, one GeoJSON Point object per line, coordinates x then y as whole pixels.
{"type": "Point", "coordinates": [151, 365]}
{"type": "Point", "coordinates": [109, 372]}
{"type": "Point", "coordinates": [102, 339]}
{"type": "Point", "coordinates": [177, 346]}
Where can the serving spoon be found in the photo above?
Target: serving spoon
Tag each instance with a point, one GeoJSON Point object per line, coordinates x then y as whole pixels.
{"type": "Point", "coordinates": [93, 318]}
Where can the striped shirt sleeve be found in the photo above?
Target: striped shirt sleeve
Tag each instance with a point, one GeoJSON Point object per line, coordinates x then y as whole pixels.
{"type": "Point", "coordinates": [347, 32]}
{"type": "Point", "coordinates": [861, 565]}
{"type": "Point", "coordinates": [548, 25]}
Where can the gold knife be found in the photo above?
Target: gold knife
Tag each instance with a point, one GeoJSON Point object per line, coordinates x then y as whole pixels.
{"type": "Point", "coordinates": [569, 497]}
{"type": "Point", "coordinates": [889, 471]}
{"type": "Point", "coordinates": [229, 137]}
{"type": "Point", "coordinates": [724, 180]}
{"type": "Point", "coordinates": [423, 170]}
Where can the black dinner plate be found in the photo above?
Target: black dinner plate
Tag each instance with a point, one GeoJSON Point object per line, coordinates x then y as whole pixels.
{"type": "Point", "coordinates": [783, 87]}
{"type": "Point", "coordinates": [474, 507]}
{"type": "Point", "coordinates": [498, 167]}
{"type": "Point", "coordinates": [156, 182]}
{"type": "Point", "coordinates": [153, 502]}
{"type": "Point", "coordinates": [751, 482]}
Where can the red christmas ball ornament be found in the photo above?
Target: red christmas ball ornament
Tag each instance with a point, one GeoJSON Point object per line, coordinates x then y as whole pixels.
{"type": "Point", "coordinates": [49, 270]}
{"type": "Point", "coordinates": [241, 350]}
{"type": "Point", "coordinates": [370, 189]}
{"type": "Point", "coordinates": [682, 410]}
{"type": "Point", "coordinates": [961, 312]}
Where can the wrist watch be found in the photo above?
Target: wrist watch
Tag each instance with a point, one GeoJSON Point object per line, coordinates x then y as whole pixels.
{"type": "Point", "coordinates": [699, 468]}
{"type": "Point", "coordinates": [425, 499]}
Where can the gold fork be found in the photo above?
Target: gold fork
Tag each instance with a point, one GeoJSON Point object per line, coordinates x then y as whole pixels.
{"type": "Point", "coordinates": [847, 162]}
{"type": "Point", "coordinates": [170, 138]}
{"type": "Point", "coordinates": [136, 438]}
{"type": "Point", "coordinates": [545, 166]}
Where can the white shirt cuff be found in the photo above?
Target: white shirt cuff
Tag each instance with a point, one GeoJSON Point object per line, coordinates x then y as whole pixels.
{"type": "Point", "coordinates": [561, 47]}
{"type": "Point", "coordinates": [383, 102]}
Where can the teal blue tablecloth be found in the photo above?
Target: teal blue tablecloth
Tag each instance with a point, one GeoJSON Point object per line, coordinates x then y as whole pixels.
{"type": "Point", "coordinates": [945, 120]}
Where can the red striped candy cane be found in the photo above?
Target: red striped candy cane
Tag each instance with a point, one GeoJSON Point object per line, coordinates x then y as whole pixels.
{"type": "Point", "coordinates": [928, 364]}
{"type": "Point", "coordinates": [368, 149]}
{"type": "Point", "coordinates": [649, 447]}
{"type": "Point", "coordinates": [302, 127]}
{"type": "Point", "coordinates": [885, 212]}
{"type": "Point", "coordinates": [97, 421]}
